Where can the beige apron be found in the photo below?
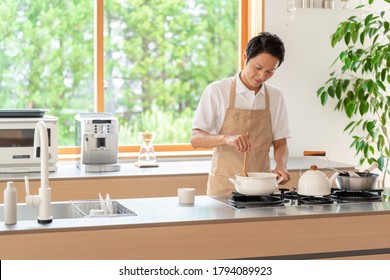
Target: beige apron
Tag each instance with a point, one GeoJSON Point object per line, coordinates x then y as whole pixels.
{"type": "Point", "coordinates": [227, 162]}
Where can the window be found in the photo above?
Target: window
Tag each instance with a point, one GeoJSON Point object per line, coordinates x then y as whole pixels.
{"type": "Point", "coordinates": [158, 57]}
{"type": "Point", "coordinates": [46, 58]}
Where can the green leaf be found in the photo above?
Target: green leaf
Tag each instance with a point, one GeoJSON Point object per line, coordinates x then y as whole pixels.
{"type": "Point", "coordinates": [355, 34]}
{"type": "Point", "coordinates": [363, 108]}
{"type": "Point", "coordinates": [380, 142]}
{"type": "Point", "coordinates": [371, 128]}
{"type": "Point", "coordinates": [362, 37]}
{"type": "Point", "coordinates": [350, 95]}
{"type": "Point", "coordinates": [383, 74]}
{"type": "Point", "coordinates": [371, 32]}
{"type": "Point", "coordinates": [370, 85]}
{"type": "Point", "coordinates": [331, 91]}
{"type": "Point", "coordinates": [347, 63]}
{"type": "Point", "coordinates": [360, 94]}
{"type": "Point", "coordinates": [376, 59]}
{"type": "Point", "coordinates": [366, 150]}
{"type": "Point", "coordinates": [381, 162]}
{"type": "Point", "coordinates": [338, 105]}
{"type": "Point", "coordinates": [384, 121]}
{"type": "Point", "coordinates": [367, 20]}
{"type": "Point", "coordinates": [345, 84]}
{"type": "Point", "coordinates": [319, 91]}
{"type": "Point", "coordinates": [347, 38]}
{"type": "Point", "coordinates": [359, 145]}
{"type": "Point", "coordinates": [350, 109]}
{"type": "Point", "coordinates": [343, 55]}
{"type": "Point", "coordinates": [324, 98]}
{"type": "Point", "coordinates": [375, 39]}
{"type": "Point", "coordinates": [381, 85]}
{"type": "Point", "coordinates": [386, 25]}
{"type": "Point", "coordinates": [339, 88]}
{"type": "Point", "coordinates": [349, 125]}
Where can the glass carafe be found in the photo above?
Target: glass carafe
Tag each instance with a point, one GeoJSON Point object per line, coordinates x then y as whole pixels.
{"type": "Point", "coordinates": [146, 153]}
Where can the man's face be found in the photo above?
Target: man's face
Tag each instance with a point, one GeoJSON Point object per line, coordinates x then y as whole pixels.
{"type": "Point", "coordinates": [258, 70]}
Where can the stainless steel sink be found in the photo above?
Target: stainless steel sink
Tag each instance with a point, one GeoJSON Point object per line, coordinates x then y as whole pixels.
{"type": "Point", "coordinates": [61, 210]}
{"type": "Point", "coordinates": [68, 210]}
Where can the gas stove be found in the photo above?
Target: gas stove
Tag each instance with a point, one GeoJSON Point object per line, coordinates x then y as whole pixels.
{"type": "Point", "coordinates": [291, 198]}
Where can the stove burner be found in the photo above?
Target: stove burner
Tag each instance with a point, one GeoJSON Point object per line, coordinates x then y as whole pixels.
{"type": "Point", "coordinates": [291, 195]}
{"type": "Point", "coordinates": [314, 200]}
{"type": "Point", "coordinates": [243, 201]}
{"type": "Point", "coordinates": [303, 199]}
{"type": "Point", "coordinates": [356, 196]}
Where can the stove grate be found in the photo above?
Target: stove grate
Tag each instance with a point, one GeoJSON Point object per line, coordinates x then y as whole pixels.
{"type": "Point", "coordinates": [242, 201]}
{"type": "Point", "coordinates": [353, 196]}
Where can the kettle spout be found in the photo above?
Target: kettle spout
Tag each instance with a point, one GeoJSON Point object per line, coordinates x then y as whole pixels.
{"type": "Point", "coordinates": [332, 179]}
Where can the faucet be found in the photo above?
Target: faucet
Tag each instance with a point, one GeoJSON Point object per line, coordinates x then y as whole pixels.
{"type": "Point", "coordinates": [43, 199]}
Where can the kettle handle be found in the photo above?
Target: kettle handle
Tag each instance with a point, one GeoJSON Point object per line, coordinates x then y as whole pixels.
{"type": "Point", "coordinates": [314, 153]}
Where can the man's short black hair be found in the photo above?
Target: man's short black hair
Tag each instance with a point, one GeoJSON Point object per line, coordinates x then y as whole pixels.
{"type": "Point", "coordinates": [265, 42]}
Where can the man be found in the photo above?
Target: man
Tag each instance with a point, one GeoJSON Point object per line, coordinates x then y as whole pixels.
{"type": "Point", "coordinates": [244, 114]}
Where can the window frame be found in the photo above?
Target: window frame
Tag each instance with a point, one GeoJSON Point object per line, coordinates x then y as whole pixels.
{"type": "Point", "coordinates": [251, 21]}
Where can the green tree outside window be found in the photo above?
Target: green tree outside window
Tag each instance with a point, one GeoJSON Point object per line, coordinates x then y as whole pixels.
{"type": "Point", "coordinates": [159, 56]}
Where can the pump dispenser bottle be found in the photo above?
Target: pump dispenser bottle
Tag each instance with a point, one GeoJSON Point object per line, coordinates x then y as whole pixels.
{"type": "Point", "coordinates": [10, 203]}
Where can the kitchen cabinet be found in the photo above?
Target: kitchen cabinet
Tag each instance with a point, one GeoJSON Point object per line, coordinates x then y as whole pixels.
{"type": "Point", "coordinates": [210, 229]}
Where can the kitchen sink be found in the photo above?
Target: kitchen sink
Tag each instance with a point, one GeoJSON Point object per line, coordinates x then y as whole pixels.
{"type": "Point", "coordinates": [82, 209]}
{"type": "Point", "coordinates": [68, 210]}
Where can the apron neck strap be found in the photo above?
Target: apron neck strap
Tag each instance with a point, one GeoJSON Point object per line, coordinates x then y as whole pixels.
{"type": "Point", "coordinates": [233, 92]}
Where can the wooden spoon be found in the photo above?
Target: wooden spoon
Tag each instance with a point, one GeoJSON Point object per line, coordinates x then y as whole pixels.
{"type": "Point", "coordinates": [243, 171]}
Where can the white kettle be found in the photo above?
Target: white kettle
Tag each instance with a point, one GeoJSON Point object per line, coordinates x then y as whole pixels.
{"type": "Point", "coordinates": [315, 183]}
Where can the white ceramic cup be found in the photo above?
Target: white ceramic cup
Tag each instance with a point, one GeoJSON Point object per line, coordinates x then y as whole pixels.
{"type": "Point", "coordinates": [186, 195]}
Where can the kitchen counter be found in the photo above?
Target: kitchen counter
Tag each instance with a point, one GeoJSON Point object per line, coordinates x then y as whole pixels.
{"type": "Point", "coordinates": [69, 170]}
{"type": "Point", "coordinates": [71, 183]}
{"type": "Point", "coordinates": [167, 211]}
{"type": "Point", "coordinates": [206, 231]}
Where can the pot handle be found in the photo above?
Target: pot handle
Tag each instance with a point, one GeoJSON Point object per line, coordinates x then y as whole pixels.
{"type": "Point", "coordinates": [279, 180]}
{"type": "Point", "coordinates": [372, 167]}
{"type": "Point", "coordinates": [235, 182]}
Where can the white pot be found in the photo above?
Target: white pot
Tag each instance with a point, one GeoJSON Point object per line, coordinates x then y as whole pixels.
{"type": "Point", "coordinates": [257, 183]}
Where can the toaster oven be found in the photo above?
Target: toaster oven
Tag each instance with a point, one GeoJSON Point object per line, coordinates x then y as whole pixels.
{"type": "Point", "coordinates": [17, 142]}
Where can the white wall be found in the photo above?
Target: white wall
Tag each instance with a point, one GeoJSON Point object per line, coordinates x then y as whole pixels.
{"type": "Point", "coordinates": [309, 56]}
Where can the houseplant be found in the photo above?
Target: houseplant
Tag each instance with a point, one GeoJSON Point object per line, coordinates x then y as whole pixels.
{"type": "Point", "coordinates": [360, 81]}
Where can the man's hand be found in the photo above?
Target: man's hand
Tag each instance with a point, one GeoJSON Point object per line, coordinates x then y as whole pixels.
{"type": "Point", "coordinates": [240, 142]}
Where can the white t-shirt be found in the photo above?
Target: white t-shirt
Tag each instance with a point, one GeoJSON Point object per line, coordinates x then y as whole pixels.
{"type": "Point", "coordinates": [210, 114]}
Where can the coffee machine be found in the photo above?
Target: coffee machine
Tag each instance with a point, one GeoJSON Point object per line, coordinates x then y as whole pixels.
{"type": "Point", "coordinates": [97, 136]}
